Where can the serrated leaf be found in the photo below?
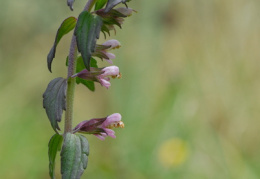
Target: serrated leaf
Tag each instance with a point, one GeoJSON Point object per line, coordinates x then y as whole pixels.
{"type": "Point", "coordinates": [87, 32]}
{"type": "Point", "coordinates": [54, 146]}
{"type": "Point", "coordinates": [112, 3]}
{"type": "Point", "coordinates": [74, 156]}
{"type": "Point", "coordinates": [66, 26]}
{"type": "Point", "coordinates": [100, 4]}
{"type": "Point", "coordinates": [54, 101]}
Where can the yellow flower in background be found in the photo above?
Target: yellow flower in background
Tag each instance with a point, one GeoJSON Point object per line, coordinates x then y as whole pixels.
{"type": "Point", "coordinates": [173, 152]}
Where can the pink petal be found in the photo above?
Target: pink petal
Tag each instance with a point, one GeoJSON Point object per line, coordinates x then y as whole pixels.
{"type": "Point", "coordinates": [100, 136]}
{"type": "Point", "coordinates": [116, 117]}
{"type": "Point", "coordinates": [110, 55]}
{"type": "Point", "coordinates": [110, 71]}
{"type": "Point", "coordinates": [110, 132]}
{"type": "Point", "coordinates": [104, 83]}
{"type": "Point", "coordinates": [112, 43]}
{"type": "Point", "coordinates": [109, 61]}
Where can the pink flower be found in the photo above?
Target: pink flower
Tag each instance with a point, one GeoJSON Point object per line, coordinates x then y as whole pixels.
{"type": "Point", "coordinates": [100, 127]}
{"type": "Point", "coordinates": [101, 75]}
{"type": "Point", "coordinates": [102, 50]}
{"type": "Point", "coordinates": [112, 44]}
{"type": "Point", "coordinates": [125, 11]}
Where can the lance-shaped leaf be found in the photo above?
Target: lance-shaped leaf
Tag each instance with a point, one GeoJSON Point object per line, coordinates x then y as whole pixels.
{"type": "Point", "coordinates": [54, 101]}
{"type": "Point", "coordinates": [66, 26]}
{"type": "Point", "coordinates": [74, 156]}
{"type": "Point", "coordinates": [113, 3]}
{"type": "Point", "coordinates": [87, 32]}
{"type": "Point", "coordinates": [100, 4]}
{"type": "Point", "coordinates": [54, 147]}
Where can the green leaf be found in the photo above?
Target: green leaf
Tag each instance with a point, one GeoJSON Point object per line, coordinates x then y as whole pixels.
{"type": "Point", "coordinates": [100, 4]}
{"type": "Point", "coordinates": [54, 101]}
{"type": "Point", "coordinates": [74, 156]}
{"type": "Point", "coordinates": [66, 26]}
{"type": "Point", "coordinates": [87, 32]}
{"type": "Point", "coordinates": [54, 147]}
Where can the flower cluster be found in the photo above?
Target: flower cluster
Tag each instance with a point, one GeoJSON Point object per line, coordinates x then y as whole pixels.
{"type": "Point", "coordinates": [102, 127]}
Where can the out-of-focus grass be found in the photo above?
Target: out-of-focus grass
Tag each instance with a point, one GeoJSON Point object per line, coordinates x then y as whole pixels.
{"type": "Point", "coordinates": [190, 74]}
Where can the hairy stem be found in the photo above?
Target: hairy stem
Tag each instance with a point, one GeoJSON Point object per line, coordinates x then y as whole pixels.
{"type": "Point", "coordinates": [72, 63]}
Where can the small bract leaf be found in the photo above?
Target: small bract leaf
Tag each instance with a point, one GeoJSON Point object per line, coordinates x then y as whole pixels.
{"type": "Point", "coordinates": [74, 156]}
{"type": "Point", "coordinates": [87, 32]}
{"type": "Point", "coordinates": [66, 26]}
{"type": "Point", "coordinates": [100, 4]}
{"type": "Point", "coordinates": [54, 146]}
{"type": "Point", "coordinates": [54, 101]}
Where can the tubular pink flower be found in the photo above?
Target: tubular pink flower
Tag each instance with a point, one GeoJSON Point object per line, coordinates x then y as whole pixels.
{"type": "Point", "coordinates": [100, 127]}
{"type": "Point", "coordinates": [112, 44]}
{"type": "Point", "coordinates": [101, 75]}
{"type": "Point", "coordinates": [110, 71]}
{"type": "Point", "coordinates": [102, 50]}
{"type": "Point", "coordinates": [113, 118]}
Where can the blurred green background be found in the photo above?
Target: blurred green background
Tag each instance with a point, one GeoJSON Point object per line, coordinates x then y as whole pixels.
{"type": "Point", "coordinates": [189, 96]}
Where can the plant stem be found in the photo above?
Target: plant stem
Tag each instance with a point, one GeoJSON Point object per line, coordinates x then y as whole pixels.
{"type": "Point", "coordinates": [72, 63]}
{"type": "Point", "coordinates": [89, 5]}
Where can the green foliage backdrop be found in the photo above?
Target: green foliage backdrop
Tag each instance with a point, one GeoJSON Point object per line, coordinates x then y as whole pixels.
{"type": "Point", "coordinates": [190, 91]}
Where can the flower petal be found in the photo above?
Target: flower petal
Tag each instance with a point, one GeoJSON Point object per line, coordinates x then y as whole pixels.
{"type": "Point", "coordinates": [100, 136]}
{"type": "Point", "coordinates": [110, 71]}
{"type": "Point", "coordinates": [112, 43]}
{"type": "Point", "coordinates": [110, 132]}
{"type": "Point", "coordinates": [104, 83]}
{"type": "Point", "coordinates": [116, 117]}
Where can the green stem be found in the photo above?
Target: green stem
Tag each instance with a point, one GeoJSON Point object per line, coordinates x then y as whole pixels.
{"type": "Point", "coordinates": [72, 63]}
